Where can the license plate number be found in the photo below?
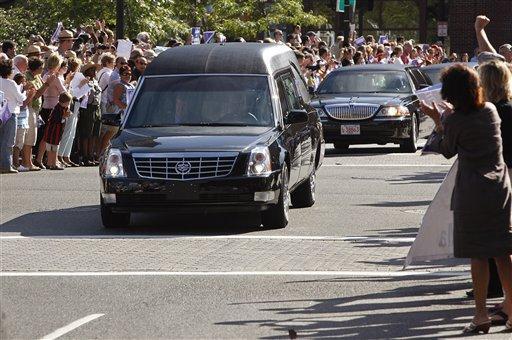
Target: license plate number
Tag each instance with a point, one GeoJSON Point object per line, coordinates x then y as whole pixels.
{"type": "Point", "coordinates": [350, 130]}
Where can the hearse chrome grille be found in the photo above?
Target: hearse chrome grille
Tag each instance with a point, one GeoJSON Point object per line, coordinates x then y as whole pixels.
{"type": "Point", "coordinates": [351, 111]}
{"type": "Point", "coordinates": [184, 166]}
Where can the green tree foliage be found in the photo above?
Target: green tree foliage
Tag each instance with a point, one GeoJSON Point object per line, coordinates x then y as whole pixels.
{"type": "Point", "coordinates": [161, 18]}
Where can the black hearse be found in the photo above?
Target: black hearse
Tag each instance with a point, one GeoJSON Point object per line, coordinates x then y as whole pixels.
{"type": "Point", "coordinates": [373, 104]}
{"type": "Point", "coordinates": [215, 128]}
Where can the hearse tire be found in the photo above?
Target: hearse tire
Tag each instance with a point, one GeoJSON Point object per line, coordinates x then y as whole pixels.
{"type": "Point", "coordinates": [111, 219]}
{"type": "Point", "coordinates": [304, 195]}
{"type": "Point", "coordinates": [277, 216]}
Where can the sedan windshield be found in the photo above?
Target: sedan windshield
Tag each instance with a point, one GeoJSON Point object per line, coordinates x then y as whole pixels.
{"type": "Point", "coordinates": [366, 81]}
{"type": "Point", "coordinates": [216, 100]}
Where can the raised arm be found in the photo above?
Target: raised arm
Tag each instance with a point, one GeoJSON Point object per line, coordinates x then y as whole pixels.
{"type": "Point", "coordinates": [484, 45]}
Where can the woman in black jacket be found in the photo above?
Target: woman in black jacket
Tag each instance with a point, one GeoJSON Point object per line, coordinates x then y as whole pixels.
{"type": "Point", "coordinates": [496, 81]}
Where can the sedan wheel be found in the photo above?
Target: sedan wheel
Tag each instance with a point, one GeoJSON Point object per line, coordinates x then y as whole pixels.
{"type": "Point", "coordinates": [409, 145]}
{"type": "Point", "coordinates": [277, 216]}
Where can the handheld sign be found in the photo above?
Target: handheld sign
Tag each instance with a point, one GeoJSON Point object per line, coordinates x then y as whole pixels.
{"type": "Point", "coordinates": [208, 37]}
{"type": "Point", "coordinates": [196, 35]}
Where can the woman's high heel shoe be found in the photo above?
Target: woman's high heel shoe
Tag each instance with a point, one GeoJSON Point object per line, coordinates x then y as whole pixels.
{"type": "Point", "coordinates": [473, 328]}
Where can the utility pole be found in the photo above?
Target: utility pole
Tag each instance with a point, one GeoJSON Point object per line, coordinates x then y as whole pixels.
{"type": "Point", "coordinates": [120, 19]}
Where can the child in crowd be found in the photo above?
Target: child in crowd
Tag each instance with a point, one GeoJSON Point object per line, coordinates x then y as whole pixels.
{"type": "Point", "coordinates": [22, 126]}
{"type": "Point", "coordinates": [54, 129]}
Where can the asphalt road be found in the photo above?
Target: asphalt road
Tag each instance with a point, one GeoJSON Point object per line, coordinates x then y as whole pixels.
{"type": "Point", "coordinates": [335, 271]}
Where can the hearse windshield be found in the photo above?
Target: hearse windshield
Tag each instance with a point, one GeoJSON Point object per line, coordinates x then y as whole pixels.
{"type": "Point", "coordinates": [216, 100]}
{"type": "Point", "coordinates": [366, 81]}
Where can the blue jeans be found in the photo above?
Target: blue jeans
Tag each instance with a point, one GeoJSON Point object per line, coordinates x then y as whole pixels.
{"type": "Point", "coordinates": [7, 140]}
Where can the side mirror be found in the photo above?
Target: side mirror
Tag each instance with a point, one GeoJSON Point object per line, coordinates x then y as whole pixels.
{"type": "Point", "coordinates": [297, 116]}
{"type": "Point", "coordinates": [423, 86]}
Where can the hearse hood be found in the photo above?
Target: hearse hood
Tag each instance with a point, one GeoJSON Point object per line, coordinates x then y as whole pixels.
{"type": "Point", "coordinates": [378, 99]}
{"type": "Point", "coordinates": [195, 138]}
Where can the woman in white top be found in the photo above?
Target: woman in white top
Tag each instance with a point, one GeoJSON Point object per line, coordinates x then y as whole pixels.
{"type": "Point", "coordinates": [15, 98]}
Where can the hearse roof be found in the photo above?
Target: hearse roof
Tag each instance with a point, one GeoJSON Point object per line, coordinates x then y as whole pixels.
{"type": "Point", "coordinates": [234, 58]}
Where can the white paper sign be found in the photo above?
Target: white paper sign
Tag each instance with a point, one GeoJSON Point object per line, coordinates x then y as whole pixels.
{"type": "Point", "coordinates": [124, 48]}
{"type": "Point", "coordinates": [431, 94]}
{"type": "Point", "coordinates": [435, 237]}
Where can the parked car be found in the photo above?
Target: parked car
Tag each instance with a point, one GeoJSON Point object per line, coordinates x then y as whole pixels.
{"type": "Point", "coordinates": [434, 71]}
{"type": "Point", "coordinates": [373, 104]}
{"type": "Point", "coordinates": [215, 128]}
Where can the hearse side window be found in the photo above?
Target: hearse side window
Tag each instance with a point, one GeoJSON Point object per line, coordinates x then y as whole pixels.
{"type": "Point", "coordinates": [301, 86]}
{"type": "Point", "coordinates": [290, 92]}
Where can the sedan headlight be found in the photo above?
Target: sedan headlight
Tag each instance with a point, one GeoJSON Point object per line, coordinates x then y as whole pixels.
{"type": "Point", "coordinates": [321, 112]}
{"type": "Point", "coordinates": [114, 164]}
{"type": "Point", "coordinates": [393, 111]}
{"type": "Point", "coordinates": [259, 162]}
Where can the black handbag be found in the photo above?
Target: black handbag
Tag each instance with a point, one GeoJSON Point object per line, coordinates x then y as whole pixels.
{"type": "Point", "coordinates": [113, 119]}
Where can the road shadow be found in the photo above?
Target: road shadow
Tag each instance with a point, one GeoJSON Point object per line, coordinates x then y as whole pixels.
{"type": "Point", "coordinates": [361, 151]}
{"type": "Point", "coordinates": [397, 204]}
{"type": "Point", "coordinates": [414, 309]}
{"type": "Point", "coordinates": [86, 220]}
{"type": "Point", "coordinates": [430, 177]}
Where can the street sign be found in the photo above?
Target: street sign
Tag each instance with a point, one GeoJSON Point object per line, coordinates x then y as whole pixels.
{"type": "Point", "coordinates": [442, 28]}
{"type": "Point", "coordinates": [340, 6]}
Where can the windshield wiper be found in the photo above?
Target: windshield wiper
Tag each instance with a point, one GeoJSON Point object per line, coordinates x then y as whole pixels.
{"type": "Point", "coordinates": [215, 124]}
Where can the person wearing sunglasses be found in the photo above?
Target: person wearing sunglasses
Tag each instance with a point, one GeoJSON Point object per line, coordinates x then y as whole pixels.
{"type": "Point", "coordinates": [116, 107]}
{"type": "Point", "coordinates": [140, 66]}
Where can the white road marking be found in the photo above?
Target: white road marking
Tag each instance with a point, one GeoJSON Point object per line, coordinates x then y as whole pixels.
{"type": "Point", "coordinates": [389, 165]}
{"type": "Point", "coordinates": [68, 328]}
{"type": "Point", "coordinates": [216, 237]}
{"type": "Point", "coordinates": [346, 274]}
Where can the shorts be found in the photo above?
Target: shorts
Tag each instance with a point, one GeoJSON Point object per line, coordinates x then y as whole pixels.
{"type": "Point", "coordinates": [111, 129]}
{"type": "Point", "coordinates": [20, 137]}
{"type": "Point", "coordinates": [31, 135]}
{"type": "Point", "coordinates": [52, 147]}
{"type": "Point", "coordinates": [88, 122]}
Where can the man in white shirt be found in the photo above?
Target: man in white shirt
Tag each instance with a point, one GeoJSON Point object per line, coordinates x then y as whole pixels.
{"type": "Point", "coordinates": [19, 65]}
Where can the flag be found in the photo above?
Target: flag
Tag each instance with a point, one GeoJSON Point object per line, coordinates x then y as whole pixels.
{"type": "Point", "coordinates": [383, 39]}
{"type": "Point", "coordinates": [55, 35]}
{"type": "Point", "coordinates": [360, 41]}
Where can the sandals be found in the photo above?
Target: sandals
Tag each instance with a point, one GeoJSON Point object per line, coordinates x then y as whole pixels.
{"type": "Point", "coordinates": [501, 320]}
{"type": "Point", "coordinates": [473, 328]}
{"type": "Point", "coordinates": [508, 327]}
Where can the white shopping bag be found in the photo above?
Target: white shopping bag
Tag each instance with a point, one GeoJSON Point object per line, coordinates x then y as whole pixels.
{"type": "Point", "coordinates": [435, 237]}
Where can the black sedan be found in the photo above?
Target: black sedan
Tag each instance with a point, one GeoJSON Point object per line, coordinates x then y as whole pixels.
{"type": "Point", "coordinates": [373, 104]}
{"type": "Point", "coordinates": [215, 128]}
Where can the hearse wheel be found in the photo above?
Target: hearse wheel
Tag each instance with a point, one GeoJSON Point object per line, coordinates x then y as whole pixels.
{"type": "Point", "coordinates": [304, 195]}
{"type": "Point", "coordinates": [277, 216]}
{"type": "Point", "coordinates": [111, 219]}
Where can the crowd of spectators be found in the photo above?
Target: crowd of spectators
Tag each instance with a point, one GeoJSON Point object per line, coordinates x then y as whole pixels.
{"type": "Point", "coordinates": [41, 129]}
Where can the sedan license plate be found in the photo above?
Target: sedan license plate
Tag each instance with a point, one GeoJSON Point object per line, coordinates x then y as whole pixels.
{"type": "Point", "coordinates": [351, 129]}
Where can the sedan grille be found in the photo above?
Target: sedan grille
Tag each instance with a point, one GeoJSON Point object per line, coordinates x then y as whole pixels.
{"type": "Point", "coordinates": [183, 167]}
{"type": "Point", "coordinates": [351, 111]}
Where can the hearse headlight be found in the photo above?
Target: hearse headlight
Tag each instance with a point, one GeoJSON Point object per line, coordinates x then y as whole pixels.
{"type": "Point", "coordinates": [259, 162]}
{"type": "Point", "coordinates": [114, 164]}
{"type": "Point", "coordinates": [393, 111]}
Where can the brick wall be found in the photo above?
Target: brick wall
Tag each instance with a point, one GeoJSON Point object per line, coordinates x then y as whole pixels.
{"type": "Point", "coordinates": [461, 20]}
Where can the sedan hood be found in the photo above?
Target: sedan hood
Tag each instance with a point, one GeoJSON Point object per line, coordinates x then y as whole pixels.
{"type": "Point", "coordinates": [373, 98]}
{"type": "Point", "coordinates": [195, 138]}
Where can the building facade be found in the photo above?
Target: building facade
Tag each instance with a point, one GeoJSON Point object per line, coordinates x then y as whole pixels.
{"type": "Point", "coordinates": [461, 20]}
